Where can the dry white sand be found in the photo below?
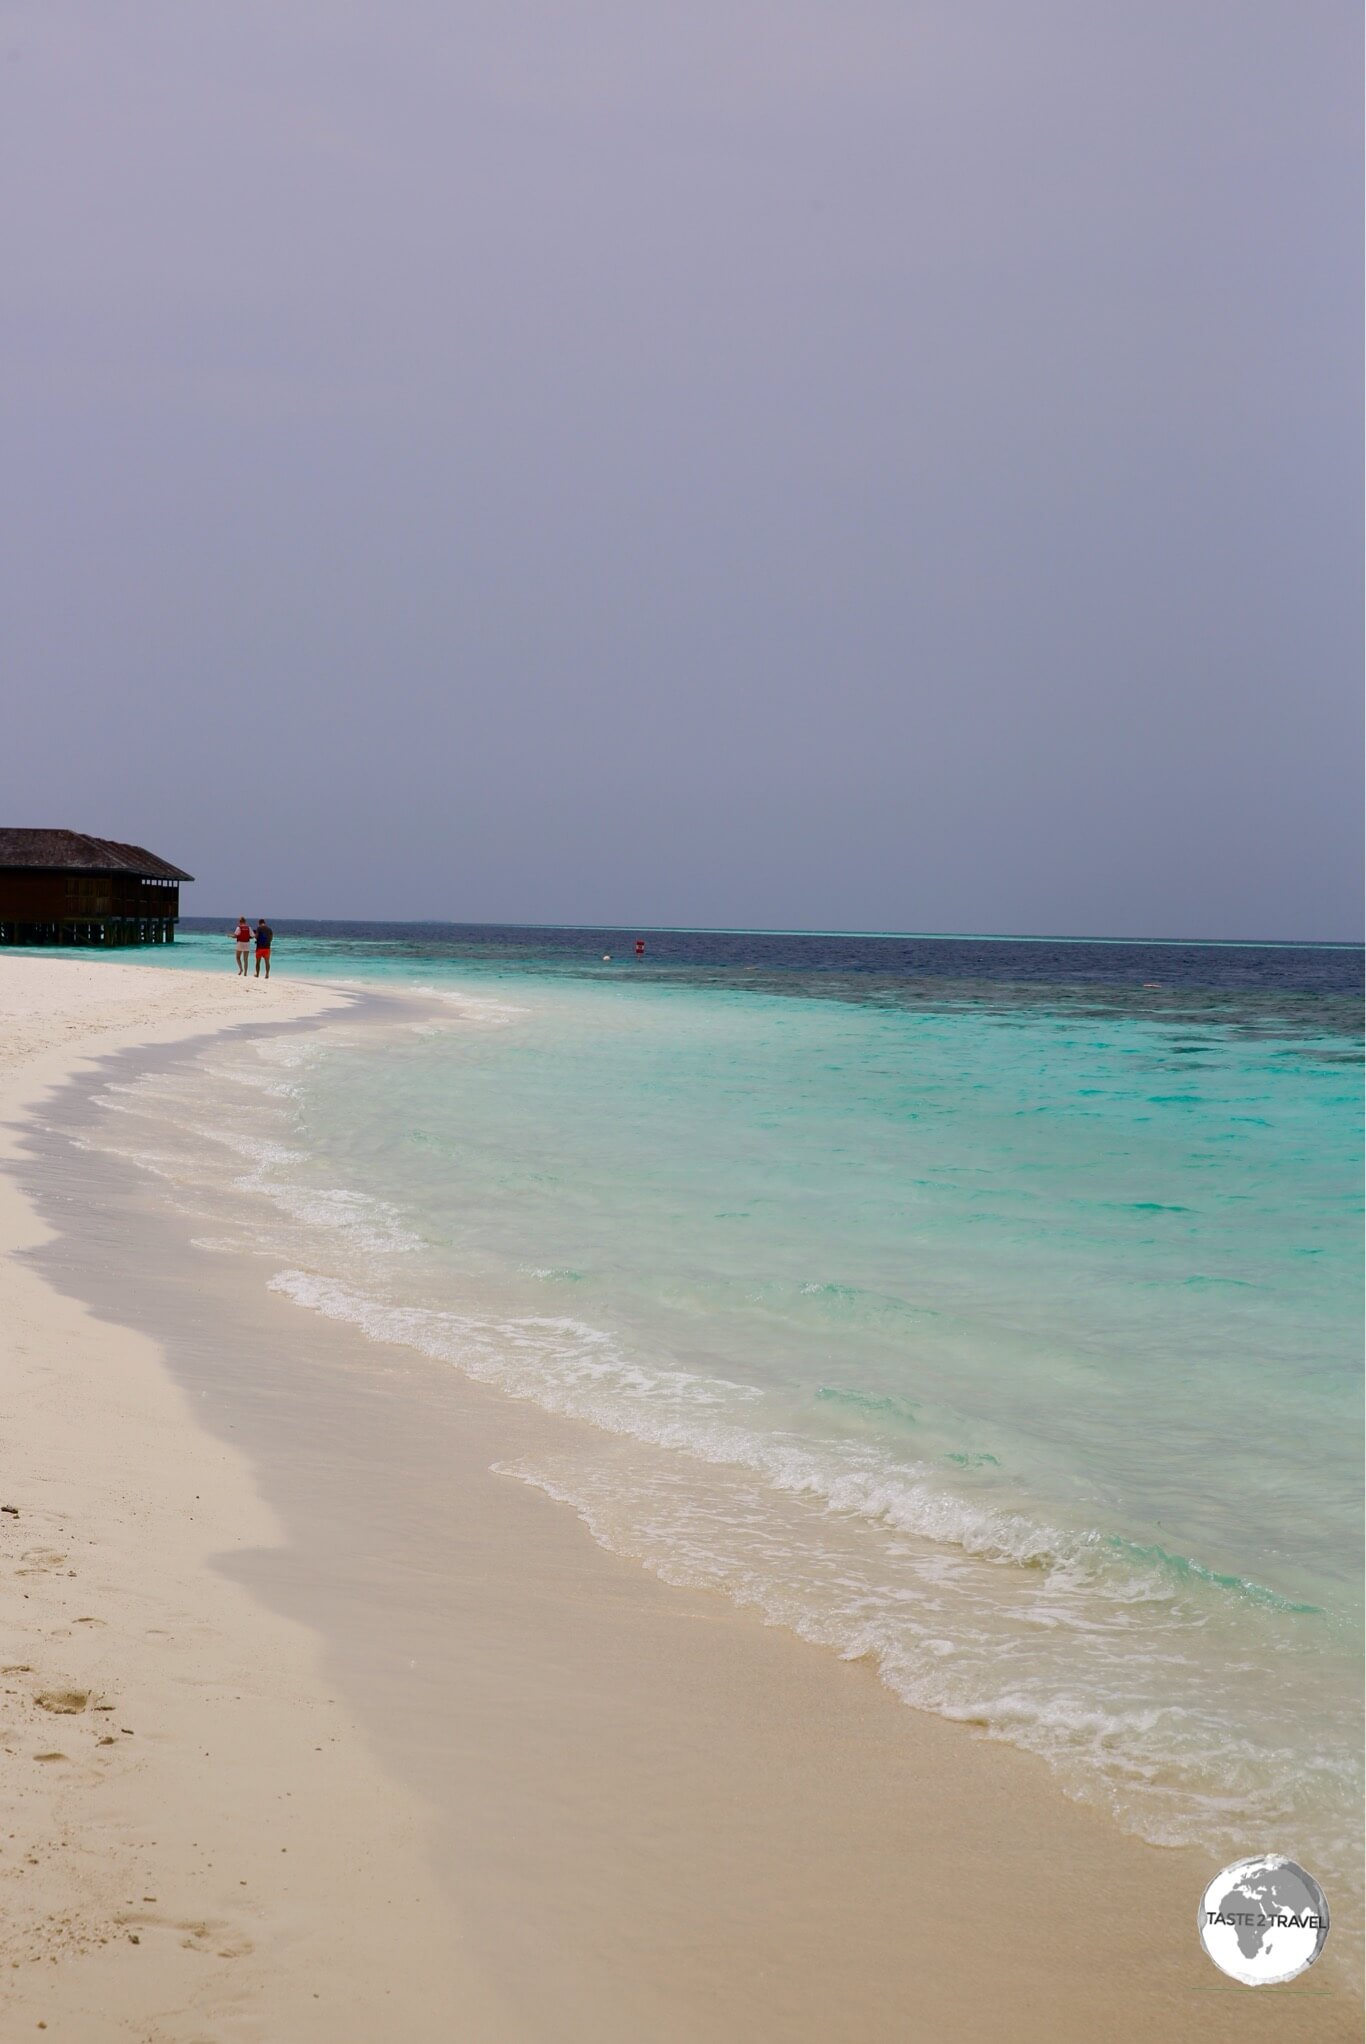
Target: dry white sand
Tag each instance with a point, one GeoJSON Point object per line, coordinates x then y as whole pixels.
{"type": "Point", "coordinates": [197, 1843]}
{"type": "Point", "coordinates": [598, 1811]}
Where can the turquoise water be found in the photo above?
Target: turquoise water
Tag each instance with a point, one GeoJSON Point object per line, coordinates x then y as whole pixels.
{"type": "Point", "coordinates": [1002, 1327]}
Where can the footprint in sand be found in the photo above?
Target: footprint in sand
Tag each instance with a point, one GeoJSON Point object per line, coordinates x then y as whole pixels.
{"type": "Point", "coordinates": [64, 1702]}
{"type": "Point", "coordinates": [219, 1939]}
{"type": "Point", "coordinates": [224, 1944]}
{"type": "Point", "coordinates": [73, 1771]}
{"type": "Point", "coordinates": [38, 1559]}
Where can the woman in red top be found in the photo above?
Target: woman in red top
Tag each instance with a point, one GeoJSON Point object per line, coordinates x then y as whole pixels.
{"type": "Point", "coordinates": [241, 936]}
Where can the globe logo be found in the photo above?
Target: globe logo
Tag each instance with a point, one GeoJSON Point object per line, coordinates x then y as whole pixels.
{"type": "Point", "coordinates": [1264, 1920]}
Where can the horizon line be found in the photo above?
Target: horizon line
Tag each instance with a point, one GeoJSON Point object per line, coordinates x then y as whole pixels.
{"type": "Point", "coordinates": [791, 930]}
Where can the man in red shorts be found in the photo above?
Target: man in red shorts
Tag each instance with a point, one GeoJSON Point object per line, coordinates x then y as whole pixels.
{"type": "Point", "coordinates": [264, 933]}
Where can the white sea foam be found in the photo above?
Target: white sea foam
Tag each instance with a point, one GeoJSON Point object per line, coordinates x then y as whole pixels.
{"type": "Point", "coordinates": [570, 1367]}
{"type": "Point", "coordinates": [559, 1362]}
{"type": "Point", "coordinates": [265, 1153]}
{"type": "Point", "coordinates": [369, 1223]}
{"type": "Point", "coordinates": [158, 1163]}
{"type": "Point", "coordinates": [479, 1008]}
{"type": "Point", "coordinates": [1100, 1660]}
{"type": "Point", "coordinates": [1112, 1724]}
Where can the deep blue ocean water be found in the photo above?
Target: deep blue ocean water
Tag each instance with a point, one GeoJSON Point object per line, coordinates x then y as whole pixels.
{"type": "Point", "coordinates": [988, 1307]}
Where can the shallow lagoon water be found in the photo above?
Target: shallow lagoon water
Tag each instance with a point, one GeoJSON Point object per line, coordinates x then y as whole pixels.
{"type": "Point", "coordinates": [989, 1309]}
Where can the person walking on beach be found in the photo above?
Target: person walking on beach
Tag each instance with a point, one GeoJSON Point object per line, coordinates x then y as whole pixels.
{"type": "Point", "coordinates": [264, 933]}
{"type": "Point", "coordinates": [241, 937]}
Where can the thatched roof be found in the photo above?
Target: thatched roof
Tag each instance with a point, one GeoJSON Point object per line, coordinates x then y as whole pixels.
{"type": "Point", "coordinates": [70, 851]}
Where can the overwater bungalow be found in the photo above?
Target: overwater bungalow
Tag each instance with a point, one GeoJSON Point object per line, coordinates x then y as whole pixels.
{"type": "Point", "coordinates": [62, 887]}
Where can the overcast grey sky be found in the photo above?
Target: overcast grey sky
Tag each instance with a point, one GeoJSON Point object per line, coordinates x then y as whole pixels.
{"type": "Point", "coordinates": [882, 464]}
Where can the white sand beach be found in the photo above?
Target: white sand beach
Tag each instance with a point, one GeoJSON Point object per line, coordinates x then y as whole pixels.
{"type": "Point", "coordinates": [199, 1844]}
{"type": "Point", "coordinates": [277, 1768]}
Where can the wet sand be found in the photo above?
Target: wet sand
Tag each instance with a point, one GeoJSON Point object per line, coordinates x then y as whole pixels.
{"type": "Point", "coordinates": [404, 1739]}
